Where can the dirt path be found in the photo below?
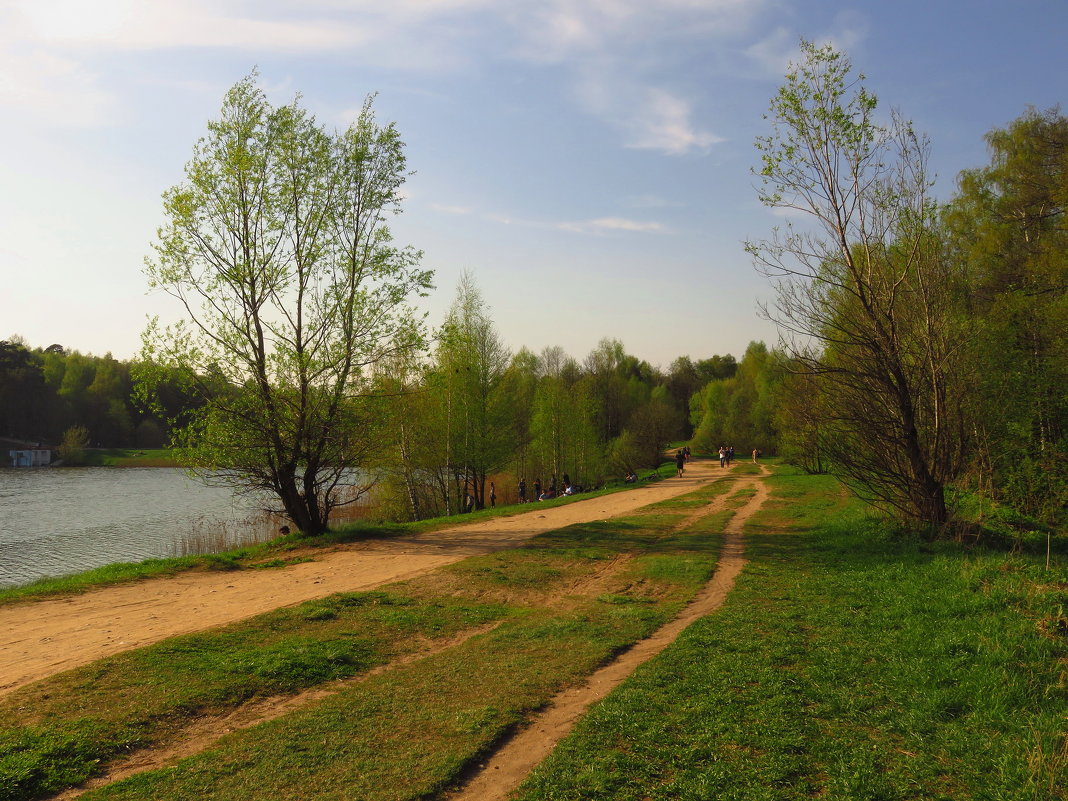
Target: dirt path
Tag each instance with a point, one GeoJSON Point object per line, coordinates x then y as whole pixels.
{"type": "Point", "coordinates": [41, 638]}
{"type": "Point", "coordinates": [506, 769]}
{"type": "Point", "coordinates": [204, 732]}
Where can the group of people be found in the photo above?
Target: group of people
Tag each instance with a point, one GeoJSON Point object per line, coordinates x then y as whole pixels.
{"type": "Point", "coordinates": [682, 455]}
{"type": "Point", "coordinates": [566, 488]}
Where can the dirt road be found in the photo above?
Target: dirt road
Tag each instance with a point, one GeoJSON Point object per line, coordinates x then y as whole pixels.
{"type": "Point", "coordinates": [40, 638]}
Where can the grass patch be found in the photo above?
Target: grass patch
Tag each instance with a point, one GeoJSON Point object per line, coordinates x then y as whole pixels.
{"type": "Point", "coordinates": [849, 663]}
{"type": "Point", "coordinates": [58, 731]}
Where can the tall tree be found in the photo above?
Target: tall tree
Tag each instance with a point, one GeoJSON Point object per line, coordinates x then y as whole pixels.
{"type": "Point", "coordinates": [564, 436]}
{"type": "Point", "coordinates": [1010, 225]}
{"type": "Point", "coordinates": [473, 361]}
{"type": "Point", "coordinates": [276, 247]}
{"type": "Point", "coordinates": [864, 286]}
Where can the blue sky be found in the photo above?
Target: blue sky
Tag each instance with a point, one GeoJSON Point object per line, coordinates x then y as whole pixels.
{"type": "Point", "coordinates": [588, 162]}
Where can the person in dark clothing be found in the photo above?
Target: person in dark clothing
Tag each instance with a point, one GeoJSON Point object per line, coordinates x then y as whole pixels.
{"type": "Point", "coordinates": [537, 489]}
{"type": "Point", "coordinates": [522, 490]}
{"type": "Point", "coordinates": [680, 461]}
{"type": "Point", "coordinates": [493, 495]}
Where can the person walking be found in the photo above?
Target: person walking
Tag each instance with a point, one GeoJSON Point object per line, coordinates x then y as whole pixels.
{"type": "Point", "coordinates": [722, 456]}
{"type": "Point", "coordinates": [756, 453]}
{"type": "Point", "coordinates": [680, 461]}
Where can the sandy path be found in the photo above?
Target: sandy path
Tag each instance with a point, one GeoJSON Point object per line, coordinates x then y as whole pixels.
{"type": "Point", "coordinates": [506, 769]}
{"type": "Point", "coordinates": [41, 638]}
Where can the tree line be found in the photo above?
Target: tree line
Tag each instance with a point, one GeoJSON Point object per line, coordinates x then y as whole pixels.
{"type": "Point", "coordinates": [47, 392]}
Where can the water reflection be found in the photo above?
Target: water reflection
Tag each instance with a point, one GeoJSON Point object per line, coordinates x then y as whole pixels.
{"type": "Point", "coordinates": [59, 521]}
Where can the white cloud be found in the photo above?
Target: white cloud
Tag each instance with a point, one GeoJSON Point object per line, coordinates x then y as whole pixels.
{"type": "Point", "coordinates": [603, 224]}
{"type": "Point", "coordinates": [613, 49]}
{"type": "Point", "coordinates": [560, 30]}
{"type": "Point", "coordinates": [665, 123]}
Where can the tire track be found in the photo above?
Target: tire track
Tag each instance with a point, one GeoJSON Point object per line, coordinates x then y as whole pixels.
{"type": "Point", "coordinates": [510, 764]}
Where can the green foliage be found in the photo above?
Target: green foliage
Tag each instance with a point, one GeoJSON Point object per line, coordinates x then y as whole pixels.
{"type": "Point", "coordinates": [276, 246]}
{"type": "Point", "coordinates": [47, 392]}
{"type": "Point", "coordinates": [740, 410]}
{"type": "Point", "coordinates": [72, 449]}
{"type": "Point", "coordinates": [1008, 224]}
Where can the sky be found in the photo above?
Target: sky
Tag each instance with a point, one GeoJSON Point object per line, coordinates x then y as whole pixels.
{"type": "Point", "coordinates": [587, 162]}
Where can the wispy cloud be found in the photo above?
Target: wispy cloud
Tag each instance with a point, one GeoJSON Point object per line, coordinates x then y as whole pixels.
{"type": "Point", "coordinates": [598, 225]}
{"type": "Point", "coordinates": [613, 54]}
{"type": "Point", "coordinates": [665, 123]}
{"type": "Point", "coordinates": [126, 25]}
{"type": "Point", "coordinates": [605, 224]}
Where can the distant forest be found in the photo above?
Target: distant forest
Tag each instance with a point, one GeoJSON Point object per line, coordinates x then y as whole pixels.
{"type": "Point", "coordinates": [45, 392]}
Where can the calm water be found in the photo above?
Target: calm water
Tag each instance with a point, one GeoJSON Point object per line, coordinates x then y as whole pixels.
{"type": "Point", "coordinates": [59, 521]}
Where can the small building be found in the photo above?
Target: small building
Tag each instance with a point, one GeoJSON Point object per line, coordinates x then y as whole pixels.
{"type": "Point", "coordinates": [25, 454]}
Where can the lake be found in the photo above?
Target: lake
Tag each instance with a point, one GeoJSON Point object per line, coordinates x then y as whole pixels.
{"type": "Point", "coordinates": [59, 521]}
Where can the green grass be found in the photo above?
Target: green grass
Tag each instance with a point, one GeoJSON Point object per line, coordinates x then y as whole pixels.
{"type": "Point", "coordinates": [414, 726]}
{"type": "Point", "coordinates": [60, 730]}
{"type": "Point", "coordinates": [848, 663]}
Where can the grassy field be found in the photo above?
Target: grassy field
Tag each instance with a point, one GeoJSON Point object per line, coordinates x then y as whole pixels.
{"type": "Point", "coordinates": [850, 662]}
